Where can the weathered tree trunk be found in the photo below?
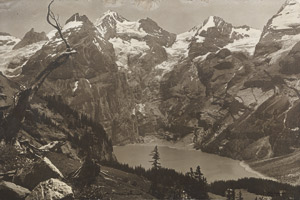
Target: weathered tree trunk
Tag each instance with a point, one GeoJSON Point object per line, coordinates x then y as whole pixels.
{"type": "Point", "coordinates": [12, 123]}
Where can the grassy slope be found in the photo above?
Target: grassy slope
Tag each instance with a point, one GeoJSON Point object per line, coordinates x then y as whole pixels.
{"type": "Point", "coordinates": [284, 168]}
{"type": "Point", "coordinates": [112, 184]}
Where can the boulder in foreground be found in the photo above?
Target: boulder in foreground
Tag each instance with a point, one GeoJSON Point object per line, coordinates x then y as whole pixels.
{"type": "Point", "coordinates": [39, 171]}
{"type": "Point", "coordinates": [52, 189]}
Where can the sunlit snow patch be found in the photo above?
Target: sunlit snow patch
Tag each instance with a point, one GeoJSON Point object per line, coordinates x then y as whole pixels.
{"type": "Point", "coordinates": [75, 86]}
{"type": "Point", "coordinates": [123, 49]}
{"type": "Point", "coordinates": [288, 42]}
{"type": "Point", "coordinates": [130, 28]}
{"type": "Point", "coordinates": [18, 56]}
{"type": "Point", "coordinates": [247, 43]}
{"type": "Point", "coordinates": [72, 25]}
{"type": "Point", "coordinates": [289, 17]}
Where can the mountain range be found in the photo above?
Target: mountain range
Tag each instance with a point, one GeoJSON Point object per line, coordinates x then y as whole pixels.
{"type": "Point", "coordinates": [233, 90]}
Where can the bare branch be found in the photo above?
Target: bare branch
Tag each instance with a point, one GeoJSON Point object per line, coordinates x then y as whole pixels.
{"type": "Point", "coordinates": [56, 25]}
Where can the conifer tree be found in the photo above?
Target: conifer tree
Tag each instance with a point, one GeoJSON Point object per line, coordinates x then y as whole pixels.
{"type": "Point", "coordinates": [155, 158]}
{"type": "Point", "coordinates": [198, 174]}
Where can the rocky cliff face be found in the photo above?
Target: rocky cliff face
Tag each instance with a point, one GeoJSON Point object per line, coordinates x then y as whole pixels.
{"type": "Point", "coordinates": [254, 106]}
{"type": "Point", "coordinates": [139, 48]}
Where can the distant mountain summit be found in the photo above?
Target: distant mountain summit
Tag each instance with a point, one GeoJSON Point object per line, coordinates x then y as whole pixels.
{"type": "Point", "coordinates": [143, 41]}
{"type": "Point", "coordinates": [107, 24]}
{"type": "Point", "coordinates": [30, 38]}
{"type": "Point", "coordinates": [216, 33]}
{"type": "Point", "coordinates": [111, 25]}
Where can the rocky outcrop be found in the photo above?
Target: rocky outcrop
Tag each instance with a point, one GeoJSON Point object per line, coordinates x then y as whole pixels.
{"type": "Point", "coordinates": [50, 119]}
{"type": "Point", "coordinates": [30, 38]}
{"type": "Point", "coordinates": [32, 175]}
{"type": "Point", "coordinates": [52, 189]}
{"type": "Point", "coordinates": [290, 63]}
{"type": "Point", "coordinates": [12, 191]}
{"type": "Point", "coordinates": [156, 33]}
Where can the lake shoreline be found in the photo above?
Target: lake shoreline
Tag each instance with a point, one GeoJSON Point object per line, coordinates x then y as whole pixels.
{"type": "Point", "coordinates": [153, 141]}
{"type": "Point", "coordinates": [235, 169]}
{"type": "Point", "coordinates": [249, 169]}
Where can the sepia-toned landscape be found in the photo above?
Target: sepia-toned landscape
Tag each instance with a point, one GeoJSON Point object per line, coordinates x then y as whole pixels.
{"type": "Point", "coordinates": [182, 99]}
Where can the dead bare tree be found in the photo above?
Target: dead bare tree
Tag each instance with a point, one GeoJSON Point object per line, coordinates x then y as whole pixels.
{"type": "Point", "coordinates": [54, 21]}
{"type": "Point", "coordinates": [11, 124]}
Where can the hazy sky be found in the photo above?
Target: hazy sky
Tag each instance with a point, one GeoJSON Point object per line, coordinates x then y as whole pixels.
{"type": "Point", "coordinates": [19, 16]}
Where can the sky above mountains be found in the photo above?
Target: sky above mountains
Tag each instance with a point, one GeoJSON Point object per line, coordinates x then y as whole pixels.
{"type": "Point", "coordinates": [19, 16]}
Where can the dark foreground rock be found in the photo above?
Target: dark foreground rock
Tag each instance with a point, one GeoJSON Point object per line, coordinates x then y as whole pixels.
{"type": "Point", "coordinates": [10, 190]}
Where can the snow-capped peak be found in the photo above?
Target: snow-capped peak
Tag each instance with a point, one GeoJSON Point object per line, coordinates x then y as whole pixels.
{"type": "Point", "coordinates": [109, 17]}
{"type": "Point", "coordinates": [75, 22]}
{"type": "Point", "coordinates": [112, 24]}
{"type": "Point", "coordinates": [211, 21]}
{"type": "Point", "coordinates": [288, 16]}
{"type": "Point", "coordinates": [108, 22]}
{"type": "Point", "coordinates": [72, 25]}
{"type": "Point", "coordinates": [247, 39]}
{"type": "Point", "coordinates": [111, 13]}
{"type": "Point", "coordinates": [208, 23]}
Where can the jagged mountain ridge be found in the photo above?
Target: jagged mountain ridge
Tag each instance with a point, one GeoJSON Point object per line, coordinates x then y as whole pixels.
{"type": "Point", "coordinates": [189, 84]}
